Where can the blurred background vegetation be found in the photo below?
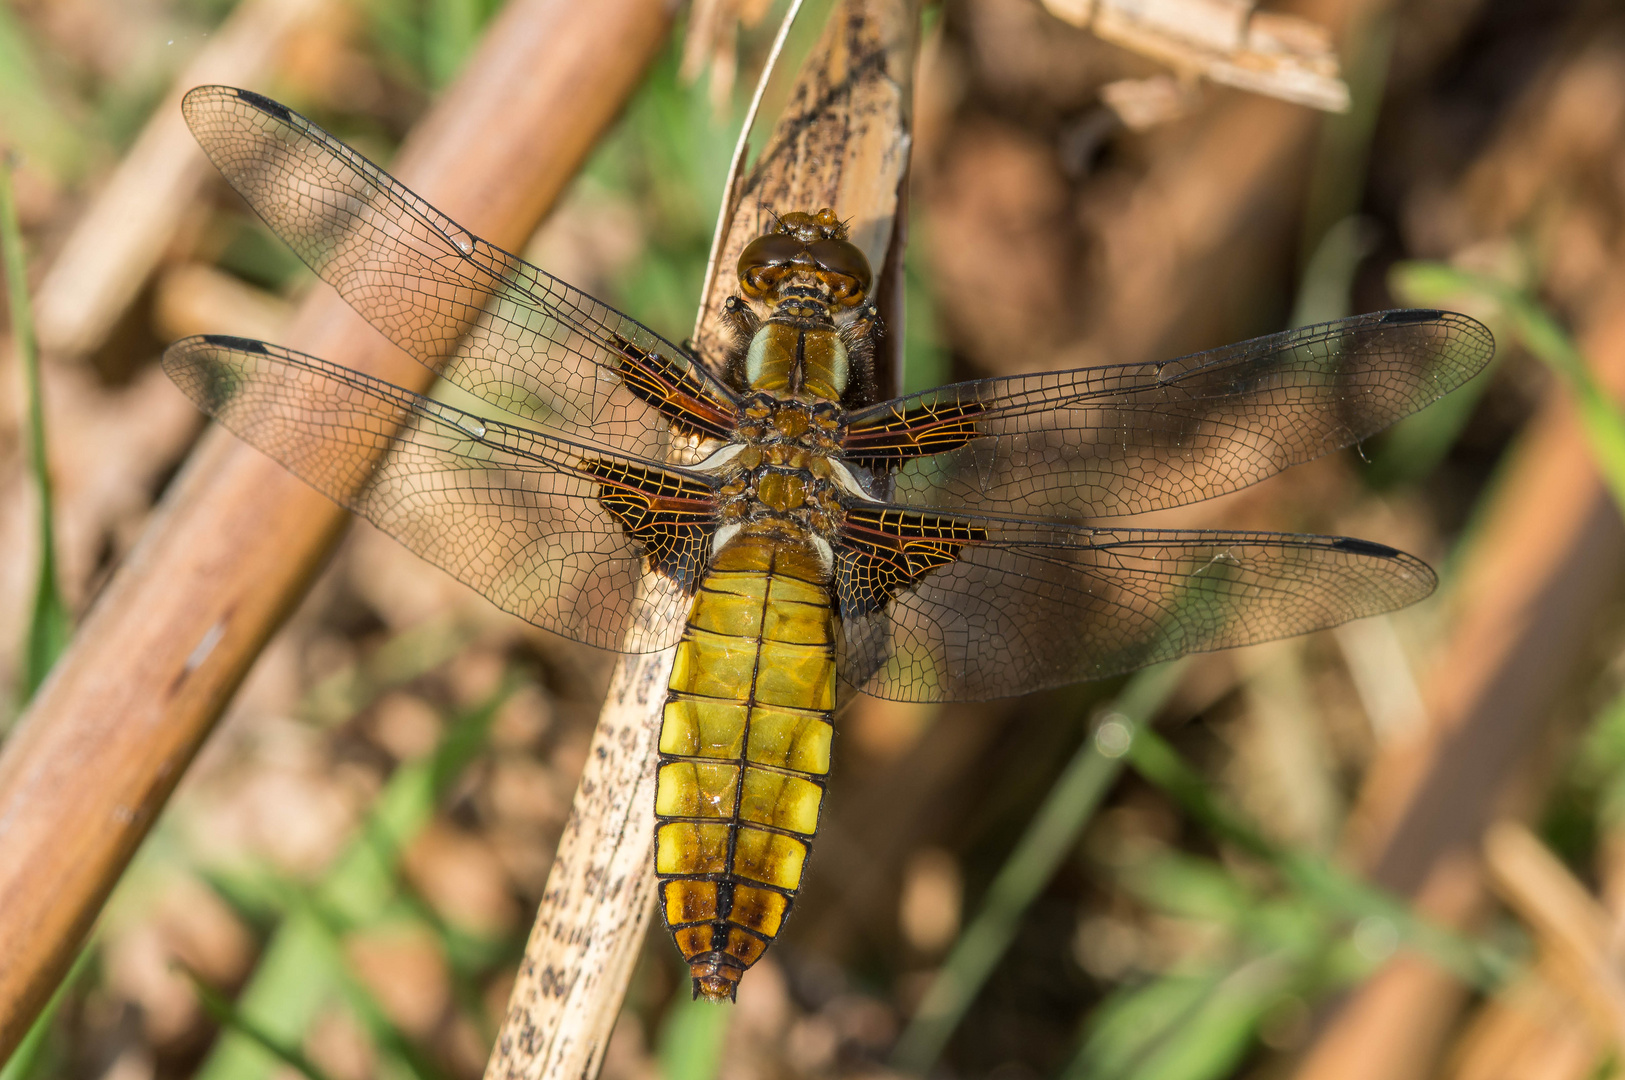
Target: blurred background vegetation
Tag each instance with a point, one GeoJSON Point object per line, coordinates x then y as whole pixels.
{"type": "Point", "coordinates": [1396, 849]}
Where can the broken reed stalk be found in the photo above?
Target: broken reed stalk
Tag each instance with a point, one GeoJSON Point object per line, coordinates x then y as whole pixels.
{"type": "Point", "coordinates": [237, 539]}
{"type": "Point", "coordinates": [599, 896]}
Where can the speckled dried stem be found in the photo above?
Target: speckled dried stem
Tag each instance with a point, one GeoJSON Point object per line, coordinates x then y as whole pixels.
{"type": "Point", "coordinates": [599, 894]}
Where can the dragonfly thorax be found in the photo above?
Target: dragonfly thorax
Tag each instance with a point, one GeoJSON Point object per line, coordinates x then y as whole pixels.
{"type": "Point", "coordinates": [785, 471]}
{"type": "Point", "coordinates": [786, 356]}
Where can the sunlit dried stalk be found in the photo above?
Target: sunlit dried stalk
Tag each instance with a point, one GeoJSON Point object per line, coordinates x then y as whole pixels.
{"type": "Point", "coordinates": [1571, 927]}
{"type": "Point", "coordinates": [238, 539]}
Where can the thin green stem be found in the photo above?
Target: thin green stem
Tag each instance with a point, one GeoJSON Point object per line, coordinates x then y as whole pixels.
{"type": "Point", "coordinates": [49, 626]}
{"type": "Point", "coordinates": [25, 1060]}
{"type": "Point", "coordinates": [1053, 832]}
{"type": "Point", "coordinates": [1600, 415]}
{"type": "Point", "coordinates": [1159, 764]}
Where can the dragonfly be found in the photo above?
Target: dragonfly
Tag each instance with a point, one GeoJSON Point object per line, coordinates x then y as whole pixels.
{"type": "Point", "coordinates": [794, 539]}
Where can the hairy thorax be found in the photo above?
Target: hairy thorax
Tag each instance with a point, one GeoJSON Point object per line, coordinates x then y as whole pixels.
{"type": "Point", "coordinates": [796, 370]}
{"type": "Point", "coordinates": [783, 469]}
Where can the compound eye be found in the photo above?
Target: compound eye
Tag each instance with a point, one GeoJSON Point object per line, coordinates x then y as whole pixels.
{"type": "Point", "coordinates": [843, 268]}
{"type": "Point", "coordinates": [764, 261]}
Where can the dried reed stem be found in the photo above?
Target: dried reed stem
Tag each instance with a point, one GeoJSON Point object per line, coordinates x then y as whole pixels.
{"type": "Point", "coordinates": [237, 539]}
{"type": "Point", "coordinates": [599, 894]}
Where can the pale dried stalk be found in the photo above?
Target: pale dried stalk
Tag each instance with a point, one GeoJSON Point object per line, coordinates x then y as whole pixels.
{"type": "Point", "coordinates": [843, 142]}
{"type": "Point", "coordinates": [237, 539]}
{"type": "Point", "coordinates": [123, 234]}
{"type": "Point", "coordinates": [1569, 924]}
{"type": "Point", "coordinates": [599, 896]}
{"type": "Point", "coordinates": [1281, 56]}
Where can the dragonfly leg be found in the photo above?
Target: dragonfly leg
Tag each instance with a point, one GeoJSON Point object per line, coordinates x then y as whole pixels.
{"type": "Point", "coordinates": [742, 322]}
{"type": "Point", "coordinates": [860, 337]}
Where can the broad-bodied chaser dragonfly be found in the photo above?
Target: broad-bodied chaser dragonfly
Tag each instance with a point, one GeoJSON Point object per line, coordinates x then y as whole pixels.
{"type": "Point", "coordinates": [762, 513]}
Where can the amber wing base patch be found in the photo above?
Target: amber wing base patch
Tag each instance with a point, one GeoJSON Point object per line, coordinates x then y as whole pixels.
{"type": "Point", "coordinates": [671, 517]}
{"type": "Point", "coordinates": [679, 394]}
{"type": "Point", "coordinates": [884, 551]}
{"type": "Point", "coordinates": [888, 436]}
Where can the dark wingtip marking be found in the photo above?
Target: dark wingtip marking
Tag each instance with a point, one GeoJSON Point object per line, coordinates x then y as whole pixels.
{"type": "Point", "coordinates": [265, 104]}
{"type": "Point", "coordinates": [241, 344]}
{"type": "Point", "coordinates": [1365, 547]}
{"type": "Point", "coordinates": [1411, 315]}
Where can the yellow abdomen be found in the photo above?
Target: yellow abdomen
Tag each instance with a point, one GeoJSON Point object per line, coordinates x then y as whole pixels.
{"type": "Point", "coordinates": [744, 748]}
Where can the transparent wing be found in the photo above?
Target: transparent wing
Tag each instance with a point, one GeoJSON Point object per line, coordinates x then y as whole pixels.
{"type": "Point", "coordinates": [1130, 438]}
{"type": "Point", "coordinates": [522, 517]}
{"type": "Point", "coordinates": [484, 319]}
{"type": "Point", "coordinates": [1005, 607]}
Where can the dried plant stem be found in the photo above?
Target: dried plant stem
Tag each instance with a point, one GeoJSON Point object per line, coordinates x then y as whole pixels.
{"type": "Point", "coordinates": [1575, 932]}
{"type": "Point", "coordinates": [599, 894]}
{"type": "Point", "coordinates": [237, 539]}
{"type": "Point", "coordinates": [1283, 56]}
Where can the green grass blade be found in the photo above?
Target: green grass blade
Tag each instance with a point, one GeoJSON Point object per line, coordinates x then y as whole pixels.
{"type": "Point", "coordinates": [293, 983]}
{"type": "Point", "coordinates": [692, 1037]}
{"type": "Point", "coordinates": [224, 1013]}
{"type": "Point", "coordinates": [1159, 764]}
{"type": "Point", "coordinates": [1054, 832]}
{"type": "Point", "coordinates": [1183, 1027]}
{"type": "Point", "coordinates": [27, 1060]}
{"type": "Point", "coordinates": [1600, 415]}
{"type": "Point", "coordinates": [49, 625]}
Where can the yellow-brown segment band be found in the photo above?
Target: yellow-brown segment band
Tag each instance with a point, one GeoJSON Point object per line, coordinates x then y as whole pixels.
{"type": "Point", "coordinates": [744, 748]}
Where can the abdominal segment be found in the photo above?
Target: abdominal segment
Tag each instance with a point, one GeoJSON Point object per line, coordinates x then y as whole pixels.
{"type": "Point", "coordinates": [744, 749]}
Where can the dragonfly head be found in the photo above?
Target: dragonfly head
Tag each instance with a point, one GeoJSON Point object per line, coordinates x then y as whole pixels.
{"type": "Point", "coordinates": [805, 250]}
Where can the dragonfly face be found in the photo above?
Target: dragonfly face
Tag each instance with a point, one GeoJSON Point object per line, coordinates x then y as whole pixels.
{"type": "Point", "coordinates": [941, 546]}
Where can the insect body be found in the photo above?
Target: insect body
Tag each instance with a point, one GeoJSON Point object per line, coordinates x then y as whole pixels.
{"type": "Point", "coordinates": [745, 737]}
{"type": "Point", "coordinates": [763, 514]}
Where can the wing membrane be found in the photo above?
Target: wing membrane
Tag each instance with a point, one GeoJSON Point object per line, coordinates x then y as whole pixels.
{"type": "Point", "coordinates": [1005, 606]}
{"type": "Point", "coordinates": [1131, 438]}
{"type": "Point", "coordinates": [484, 319]}
{"type": "Point", "coordinates": [527, 519]}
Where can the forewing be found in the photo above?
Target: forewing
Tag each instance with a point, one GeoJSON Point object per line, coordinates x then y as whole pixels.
{"type": "Point", "coordinates": [1130, 438]}
{"type": "Point", "coordinates": [484, 319]}
{"type": "Point", "coordinates": [522, 517]}
{"type": "Point", "coordinates": [1004, 607]}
